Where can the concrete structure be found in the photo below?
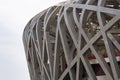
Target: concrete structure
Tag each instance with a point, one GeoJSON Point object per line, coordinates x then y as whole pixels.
{"type": "Point", "coordinates": [75, 40]}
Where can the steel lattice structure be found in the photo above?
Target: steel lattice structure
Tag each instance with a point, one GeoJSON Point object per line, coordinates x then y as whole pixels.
{"type": "Point", "coordinates": [75, 40]}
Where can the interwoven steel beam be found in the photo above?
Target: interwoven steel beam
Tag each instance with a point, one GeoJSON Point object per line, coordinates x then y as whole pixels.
{"type": "Point", "coordinates": [75, 40]}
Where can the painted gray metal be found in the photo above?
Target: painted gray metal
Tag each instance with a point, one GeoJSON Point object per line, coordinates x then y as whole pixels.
{"type": "Point", "coordinates": [60, 41]}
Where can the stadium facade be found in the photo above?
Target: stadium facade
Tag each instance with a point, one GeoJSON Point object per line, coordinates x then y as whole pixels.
{"type": "Point", "coordinates": [75, 40]}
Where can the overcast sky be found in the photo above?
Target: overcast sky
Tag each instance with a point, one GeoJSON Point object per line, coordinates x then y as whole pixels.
{"type": "Point", "coordinates": [14, 15]}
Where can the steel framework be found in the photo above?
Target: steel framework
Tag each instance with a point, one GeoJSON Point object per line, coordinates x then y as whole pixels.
{"type": "Point", "coordinates": [75, 40]}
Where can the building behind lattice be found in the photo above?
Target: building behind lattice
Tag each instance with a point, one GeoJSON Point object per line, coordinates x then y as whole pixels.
{"type": "Point", "coordinates": [75, 40]}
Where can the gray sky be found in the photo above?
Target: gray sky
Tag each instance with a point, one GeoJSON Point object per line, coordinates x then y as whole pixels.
{"type": "Point", "coordinates": [14, 15]}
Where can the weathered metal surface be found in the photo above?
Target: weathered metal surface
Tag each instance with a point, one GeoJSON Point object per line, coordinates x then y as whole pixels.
{"type": "Point", "coordinates": [75, 40]}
